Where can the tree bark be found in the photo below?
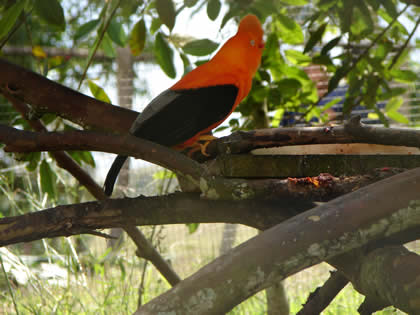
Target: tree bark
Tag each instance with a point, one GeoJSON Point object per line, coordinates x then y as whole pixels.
{"type": "Point", "coordinates": [346, 223]}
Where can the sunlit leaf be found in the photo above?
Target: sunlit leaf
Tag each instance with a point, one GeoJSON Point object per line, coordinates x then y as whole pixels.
{"type": "Point", "coordinates": [192, 227]}
{"type": "Point", "coordinates": [137, 38]}
{"type": "Point", "coordinates": [289, 31]}
{"type": "Point", "coordinates": [398, 117]}
{"type": "Point", "coordinates": [10, 17]}
{"type": "Point", "coordinates": [164, 55]}
{"type": "Point", "coordinates": [38, 52]}
{"type": "Point", "coordinates": [200, 47]}
{"type": "Point", "coordinates": [297, 57]}
{"type": "Point", "coordinates": [98, 92]}
{"type": "Point", "coordinates": [394, 104]}
{"type": "Point", "coordinates": [166, 11]}
{"type": "Point", "coordinates": [404, 76]}
{"type": "Point", "coordinates": [51, 12]}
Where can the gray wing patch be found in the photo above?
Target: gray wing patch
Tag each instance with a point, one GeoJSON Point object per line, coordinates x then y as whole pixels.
{"type": "Point", "coordinates": [155, 106]}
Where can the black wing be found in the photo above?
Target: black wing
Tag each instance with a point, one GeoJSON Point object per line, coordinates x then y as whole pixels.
{"type": "Point", "coordinates": [185, 114]}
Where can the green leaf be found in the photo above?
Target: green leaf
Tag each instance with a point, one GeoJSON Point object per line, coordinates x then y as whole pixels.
{"type": "Point", "coordinates": [164, 56]}
{"type": "Point", "coordinates": [10, 17]}
{"type": "Point", "coordinates": [156, 23]}
{"type": "Point", "coordinates": [288, 87]}
{"type": "Point", "coordinates": [338, 75]}
{"type": "Point", "coordinates": [107, 46]}
{"type": "Point", "coordinates": [48, 179]}
{"type": "Point", "coordinates": [200, 47]}
{"type": "Point", "coordinates": [362, 22]}
{"type": "Point", "coordinates": [298, 58]}
{"type": "Point", "coordinates": [315, 37]}
{"type": "Point", "coordinates": [390, 7]}
{"type": "Point", "coordinates": [404, 76]}
{"type": "Point", "coordinates": [190, 3]}
{"type": "Point", "coordinates": [116, 33]}
{"type": "Point", "coordinates": [213, 9]}
{"type": "Point", "coordinates": [187, 64]}
{"type": "Point", "coordinates": [166, 12]}
{"type": "Point", "coordinates": [86, 28]}
{"type": "Point", "coordinates": [288, 30]}
{"type": "Point", "coordinates": [398, 117]}
{"type": "Point", "coordinates": [137, 38]}
{"type": "Point", "coordinates": [192, 227]}
{"type": "Point", "coordinates": [98, 92]}
{"type": "Point", "coordinates": [33, 158]}
{"type": "Point", "coordinates": [330, 45]}
{"type": "Point", "coordinates": [51, 12]}
{"type": "Point", "coordinates": [83, 156]}
{"type": "Point", "coordinates": [295, 2]}
{"type": "Point", "coordinates": [330, 104]}
{"type": "Point", "coordinates": [394, 104]}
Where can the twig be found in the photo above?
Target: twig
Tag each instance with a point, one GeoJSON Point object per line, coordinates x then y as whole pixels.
{"type": "Point", "coordinates": [400, 51]}
{"type": "Point", "coordinates": [151, 254]}
{"type": "Point", "coordinates": [322, 296]}
{"type": "Point", "coordinates": [99, 40]}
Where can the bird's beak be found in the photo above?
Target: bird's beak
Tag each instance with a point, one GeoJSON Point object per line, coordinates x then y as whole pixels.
{"type": "Point", "coordinates": [261, 45]}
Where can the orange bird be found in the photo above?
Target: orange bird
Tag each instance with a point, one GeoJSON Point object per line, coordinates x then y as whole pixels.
{"type": "Point", "coordinates": [203, 98]}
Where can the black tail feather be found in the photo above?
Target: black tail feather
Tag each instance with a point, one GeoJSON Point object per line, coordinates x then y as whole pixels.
{"type": "Point", "coordinates": [112, 175]}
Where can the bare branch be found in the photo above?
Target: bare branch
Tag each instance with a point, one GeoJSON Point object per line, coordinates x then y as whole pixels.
{"type": "Point", "coordinates": [172, 209]}
{"type": "Point", "coordinates": [74, 52]}
{"type": "Point", "coordinates": [322, 296]}
{"type": "Point", "coordinates": [148, 252]}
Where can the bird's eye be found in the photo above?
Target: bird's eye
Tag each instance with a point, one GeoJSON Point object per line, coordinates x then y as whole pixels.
{"type": "Point", "coordinates": [252, 42]}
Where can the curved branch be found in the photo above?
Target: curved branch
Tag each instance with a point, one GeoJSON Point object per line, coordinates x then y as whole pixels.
{"type": "Point", "coordinates": [45, 95]}
{"type": "Point", "coordinates": [319, 234]}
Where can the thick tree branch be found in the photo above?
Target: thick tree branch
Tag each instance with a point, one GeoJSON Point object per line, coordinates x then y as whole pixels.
{"type": "Point", "coordinates": [46, 96]}
{"type": "Point", "coordinates": [351, 132]}
{"type": "Point", "coordinates": [177, 208]}
{"type": "Point", "coordinates": [386, 276]}
{"type": "Point", "coordinates": [348, 222]}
